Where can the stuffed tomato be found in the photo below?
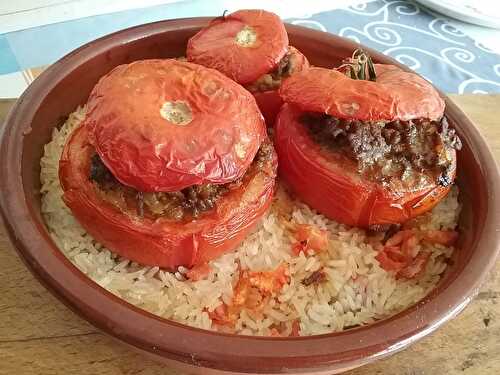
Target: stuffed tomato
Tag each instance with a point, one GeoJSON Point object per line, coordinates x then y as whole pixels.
{"type": "Point", "coordinates": [250, 47]}
{"type": "Point", "coordinates": [366, 145]}
{"type": "Point", "coordinates": [171, 166]}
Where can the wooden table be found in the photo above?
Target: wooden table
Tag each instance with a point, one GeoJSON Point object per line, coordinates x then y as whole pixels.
{"type": "Point", "coordinates": [39, 335]}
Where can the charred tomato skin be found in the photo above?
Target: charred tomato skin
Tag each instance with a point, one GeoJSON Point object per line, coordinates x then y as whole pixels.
{"type": "Point", "coordinates": [216, 46]}
{"type": "Point", "coordinates": [164, 125]}
{"type": "Point", "coordinates": [331, 185]}
{"type": "Point", "coordinates": [161, 242]}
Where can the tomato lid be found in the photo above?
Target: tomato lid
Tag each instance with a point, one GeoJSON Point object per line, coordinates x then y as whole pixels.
{"type": "Point", "coordinates": [243, 45]}
{"type": "Point", "coordinates": [395, 95]}
{"type": "Point", "coordinates": [163, 125]}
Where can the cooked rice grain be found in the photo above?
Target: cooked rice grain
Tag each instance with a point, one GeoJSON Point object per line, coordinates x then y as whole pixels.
{"type": "Point", "coordinates": [356, 290]}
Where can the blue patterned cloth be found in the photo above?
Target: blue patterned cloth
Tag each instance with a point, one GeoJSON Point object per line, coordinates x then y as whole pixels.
{"type": "Point", "coordinates": [401, 29]}
{"type": "Point", "coordinates": [418, 38]}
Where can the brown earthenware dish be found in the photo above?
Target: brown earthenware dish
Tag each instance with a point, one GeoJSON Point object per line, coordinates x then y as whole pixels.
{"type": "Point", "coordinates": [67, 83]}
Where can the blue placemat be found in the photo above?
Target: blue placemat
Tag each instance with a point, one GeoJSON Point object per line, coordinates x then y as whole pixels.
{"type": "Point", "coordinates": [418, 38]}
{"type": "Point", "coordinates": [422, 40]}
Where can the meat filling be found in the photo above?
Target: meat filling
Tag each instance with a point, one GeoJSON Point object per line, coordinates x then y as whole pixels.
{"type": "Point", "coordinates": [272, 80]}
{"type": "Point", "coordinates": [187, 203]}
{"type": "Point", "coordinates": [413, 151]}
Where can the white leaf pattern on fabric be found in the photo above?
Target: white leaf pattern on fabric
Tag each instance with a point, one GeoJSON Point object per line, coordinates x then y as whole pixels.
{"type": "Point", "coordinates": [420, 39]}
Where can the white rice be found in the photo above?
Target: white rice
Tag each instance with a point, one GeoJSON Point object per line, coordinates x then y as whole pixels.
{"type": "Point", "coordinates": [356, 291]}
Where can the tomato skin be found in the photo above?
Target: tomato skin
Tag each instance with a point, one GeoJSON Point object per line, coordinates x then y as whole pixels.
{"type": "Point", "coordinates": [269, 103]}
{"type": "Point", "coordinates": [161, 242]}
{"type": "Point", "coordinates": [396, 95]}
{"type": "Point", "coordinates": [331, 185]}
{"type": "Point", "coordinates": [215, 45]}
{"type": "Point", "coordinates": [145, 150]}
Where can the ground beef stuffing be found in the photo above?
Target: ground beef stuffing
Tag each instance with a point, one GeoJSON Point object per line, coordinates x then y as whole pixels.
{"type": "Point", "coordinates": [272, 80]}
{"type": "Point", "coordinates": [187, 203]}
{"type": "Point", "coordinates": [99, 172]}
{"type": "Point", "coordinates": [412, 151]}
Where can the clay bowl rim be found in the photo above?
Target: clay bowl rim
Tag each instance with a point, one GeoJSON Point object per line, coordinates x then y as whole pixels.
{"type": "Point", "coordinates": [198, 347]}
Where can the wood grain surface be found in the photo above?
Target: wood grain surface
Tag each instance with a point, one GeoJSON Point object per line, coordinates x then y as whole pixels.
{"type": "Point", "coordinates": [39, 335]}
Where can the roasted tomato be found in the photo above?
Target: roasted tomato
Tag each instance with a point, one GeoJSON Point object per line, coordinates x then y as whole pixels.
{"type": "Point", "coordinates": [250, 47]}
{"type": "Point", "coordinates": [243, 45]}
{"type": "Point", "coordinates": [365, 153]}
{"type": "Point", "coordinates": [163, 125]}
{"type": "Point", "coordinates": [162, 241]}
{"type": "Point", "coordinates": [147, 133]}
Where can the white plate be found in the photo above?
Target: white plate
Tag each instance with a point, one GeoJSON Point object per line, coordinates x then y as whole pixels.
{"type": "Point", "coordinates": [484, 13]}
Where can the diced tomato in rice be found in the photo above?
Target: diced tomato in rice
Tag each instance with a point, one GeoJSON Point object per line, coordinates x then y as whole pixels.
{"type": "Point", "coordinates": [387, 263]}
{"type": "Point", "coordinates": [399, 237]}
{"type": "Point", "coordinates": [295, 328]}
{"type": "Point", "coordinates": [309, 237]}
{"type": "Point", "coordinates": [402, 254]}
{"type": "Point", "coordinates": [441, 237]}
{"type": "Point", "coordinates": [252, 292]}
{"type": "Point", "coordinates": [416, 266]}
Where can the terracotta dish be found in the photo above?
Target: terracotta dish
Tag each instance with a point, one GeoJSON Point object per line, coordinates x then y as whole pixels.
{"type": "Point", "coordinates": [67, 84]}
